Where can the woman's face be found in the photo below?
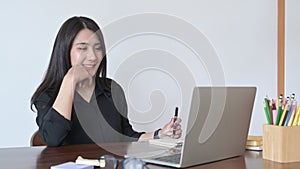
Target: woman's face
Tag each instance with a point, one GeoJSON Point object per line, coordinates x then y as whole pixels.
{"type": "Point", "coordinates": [86, 51]}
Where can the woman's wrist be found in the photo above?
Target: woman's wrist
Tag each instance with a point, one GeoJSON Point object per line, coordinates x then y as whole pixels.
{"type": "Point", "coordinates": [69, 79]}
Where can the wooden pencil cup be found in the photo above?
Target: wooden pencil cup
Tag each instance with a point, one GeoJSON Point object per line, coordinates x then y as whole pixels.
{"type": "Point", "coordinates": [281, 143]}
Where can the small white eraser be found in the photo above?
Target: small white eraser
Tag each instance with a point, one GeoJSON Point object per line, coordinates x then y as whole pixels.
{"type": "Point", "coordinates": [72, 165]}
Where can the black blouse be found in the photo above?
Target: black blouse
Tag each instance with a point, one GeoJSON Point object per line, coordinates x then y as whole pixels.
{"type": "Point", "coordinates": [103, 119]}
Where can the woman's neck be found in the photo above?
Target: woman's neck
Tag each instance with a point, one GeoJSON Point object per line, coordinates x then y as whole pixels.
{"type": "Point", "coordinates": [86, 89]}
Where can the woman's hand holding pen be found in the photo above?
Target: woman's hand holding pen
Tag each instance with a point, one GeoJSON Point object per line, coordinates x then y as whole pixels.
{"type": "Point", "coordinates": [171, 130]}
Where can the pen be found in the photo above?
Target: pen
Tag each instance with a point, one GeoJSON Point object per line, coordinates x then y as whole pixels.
{"type": "Point", "coordinates": [293, 96]}
{"type": "Point", "coordinates": [279, 109]}
{"type": "Point", "coordinates": [290, 113]}
{"type": "Point", "coordinates": [295, 121]}
{"type": "Point", "coordinates": [267, 111]}
{"type": "Point", "coordinates": [293, 115]}
{"type": "Point", "coordinates": [283, 116]}
{"type": "Point", "coordinates": [298, 118]}
{"type": "Point", "coordinates": [174, 119]}
{"type": "Point", "coordinates": [274, 111]}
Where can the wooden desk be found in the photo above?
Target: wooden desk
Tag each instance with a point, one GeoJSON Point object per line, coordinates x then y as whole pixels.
{"type": "Point", "coordinates": [44, 157]}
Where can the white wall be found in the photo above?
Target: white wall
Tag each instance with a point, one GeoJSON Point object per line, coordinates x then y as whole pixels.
{"type": "Point", "coordinates": [243, 34]}
{"type": "Point", "coordinates": [292, 47]}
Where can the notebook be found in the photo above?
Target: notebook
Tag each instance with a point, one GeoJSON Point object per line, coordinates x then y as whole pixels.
{"type": "Point", "coordinates": [217, 128]}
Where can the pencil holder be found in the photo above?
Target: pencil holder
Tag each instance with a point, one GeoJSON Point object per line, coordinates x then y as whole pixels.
{"type": "Point", "coordinates": [281, 143]}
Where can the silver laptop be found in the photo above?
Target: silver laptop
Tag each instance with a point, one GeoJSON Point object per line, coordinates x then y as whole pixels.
{"type": "Point", "coordinates": [217, 129]}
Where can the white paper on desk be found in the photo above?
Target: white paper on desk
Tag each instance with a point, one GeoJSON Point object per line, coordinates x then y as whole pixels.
{"type": "Point", "coordinates": [169, 142]}
{"type": "Point", "coordinates": [93, 162]}
{"type": "Point", "coordinates": [72, 165]}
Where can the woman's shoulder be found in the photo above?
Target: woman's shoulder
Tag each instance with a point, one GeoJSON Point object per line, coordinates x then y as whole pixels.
{"type": "Point", "coordinates": [105, 79]}
{"type": "Point", "coordinates": [42, 101]}
{"type": "Point", "coordinates": [107, 82]}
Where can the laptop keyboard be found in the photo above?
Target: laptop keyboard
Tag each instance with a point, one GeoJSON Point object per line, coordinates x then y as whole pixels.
{"type": "Point", "coordinates": [170, 159]}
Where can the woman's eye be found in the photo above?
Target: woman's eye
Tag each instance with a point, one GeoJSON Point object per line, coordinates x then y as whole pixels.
{"type": "Point", "coordinates": [82, 48]}
{"type": "Point", "coordinates": [98, 48]}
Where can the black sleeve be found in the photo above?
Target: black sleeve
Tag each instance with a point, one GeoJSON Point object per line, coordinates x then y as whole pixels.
{"type": "Point", "coordinates": [121, 105]}
{"type": "Point", "coordinates": [127, 130]}
{"type": "Point", "coordinates": [53, 127]}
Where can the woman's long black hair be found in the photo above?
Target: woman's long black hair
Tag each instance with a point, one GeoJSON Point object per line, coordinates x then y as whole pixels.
{"type": "Point", "coordinates": [60, 61]}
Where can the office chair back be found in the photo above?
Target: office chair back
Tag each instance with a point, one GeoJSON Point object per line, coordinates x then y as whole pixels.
{"type": "Point", "coordinates": [36, 140]}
